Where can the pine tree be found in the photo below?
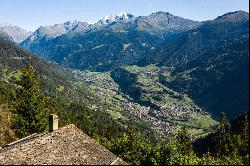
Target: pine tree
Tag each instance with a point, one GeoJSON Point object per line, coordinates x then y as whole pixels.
{"type": "Point", "coordinates": [244, 147]}
{"type": "Point", "coordinates": [31, 112]}
{"type": "Point", "coordinates": [184, 141]}
{"type": "Point", "coordinates": [134, 148]}
{"type": "Point", "coordinates": [182, 152]}
{"type": "Point", "coordinates": [224, 139]}
{"type": "Point", "coordinates": [245, 128]}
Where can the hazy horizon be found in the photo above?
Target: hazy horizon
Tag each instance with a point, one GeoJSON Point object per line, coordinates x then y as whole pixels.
{"type": "Point", "coordinates": [31, 14]}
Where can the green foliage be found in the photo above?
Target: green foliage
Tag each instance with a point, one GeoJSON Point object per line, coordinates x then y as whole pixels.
{"type": "Point", "coordinates": [184, 143]}
{"type": "Point", "coordinates": [182, 152]}
{"type": "Point", "coordinates": [244, 133]}
{"type": "Point", "coordinates": [132, 147]}
{"type": "Point", "coordinates": [229, 145]}
{"type": "Point", "coordinates": [178, 158]}
{"type": "Point", "coordinates": [31, 112]}
{"type": "Point", "coordinates": [139, 150]}
{"type": "Point", "coordinates": [224, 138]}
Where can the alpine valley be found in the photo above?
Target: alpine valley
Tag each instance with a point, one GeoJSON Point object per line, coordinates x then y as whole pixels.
{"type": "Point", "coordinates": [156, 73]}
{"type": "Point", "coordinates": [156, 58]}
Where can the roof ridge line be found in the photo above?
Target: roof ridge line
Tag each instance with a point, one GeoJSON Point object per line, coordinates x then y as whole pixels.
{"type": "Point", "coordinates": [22, 139]}
{"type": "Point", "coordinates": [113, 162]}
{"type": "Point", "coordinates": [35, 135]}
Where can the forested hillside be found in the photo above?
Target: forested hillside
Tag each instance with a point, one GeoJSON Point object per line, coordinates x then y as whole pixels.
{"type": "Point", "coordinates": [210, 63]}
{"type": "Point", "coordinates": [65, 95]}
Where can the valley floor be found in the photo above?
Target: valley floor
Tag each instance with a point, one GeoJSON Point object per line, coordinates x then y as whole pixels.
{"type": "Point", "coordinates": [162, 108]}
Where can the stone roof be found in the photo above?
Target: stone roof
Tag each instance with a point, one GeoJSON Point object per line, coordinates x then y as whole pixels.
{"type": "Point", "coordinates": [65, 146]}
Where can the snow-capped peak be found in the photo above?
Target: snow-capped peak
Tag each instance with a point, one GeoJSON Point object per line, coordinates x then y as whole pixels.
{"type": "Point", "coordinates": [120, 16]}
{"type": "Point", "coordinates": [70, 24]}
{"type": "Point", "coordinates": [107, 19]}
{"type": "Point", "coordinates": [123, 16]}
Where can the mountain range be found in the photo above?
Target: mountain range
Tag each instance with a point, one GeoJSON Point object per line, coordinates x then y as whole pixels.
{"type": "Point", "coordinates": [112, 41]}
{"type": "Point", "coordinates": [13, 33]}
{"type": "Point", "coordinates": [206, 60]}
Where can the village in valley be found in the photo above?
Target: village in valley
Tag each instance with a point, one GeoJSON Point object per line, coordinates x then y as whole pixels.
{"type": "Point", "coordinates": [170, 110]}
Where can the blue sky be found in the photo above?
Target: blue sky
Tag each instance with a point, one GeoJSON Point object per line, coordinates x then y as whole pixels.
{"type": "Point", "coordinates": [31, 14]}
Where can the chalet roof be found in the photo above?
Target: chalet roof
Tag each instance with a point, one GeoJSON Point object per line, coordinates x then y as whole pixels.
{"type": "Point", "coordinates": [65, 146]}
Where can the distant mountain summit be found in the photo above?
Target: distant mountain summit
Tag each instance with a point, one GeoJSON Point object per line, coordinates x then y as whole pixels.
{"type": "Point", "coordinates": [237, 16]}
{"type": "Point", "coordinates": [164, 22]}
{"type": "Point", "coordinates": [69, 25]}
{"type": "Point", "coordinates": [122, 16]}
{"type": "Point", "coordinates": [51, 32]}
{"type": "Point", "coordinates": [13, 33]}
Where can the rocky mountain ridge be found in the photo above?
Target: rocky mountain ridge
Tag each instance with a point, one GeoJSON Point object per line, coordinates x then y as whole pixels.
{"type": "Point", "coordinates": [13, 33]}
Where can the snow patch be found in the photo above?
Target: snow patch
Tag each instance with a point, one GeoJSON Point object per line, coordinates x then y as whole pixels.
{"type": "Point", "coordinates": [98, 47]}
{"type": "Point", "coordinates": [119, 17]}
{"type": "Point", "coordinates": [125, 46]}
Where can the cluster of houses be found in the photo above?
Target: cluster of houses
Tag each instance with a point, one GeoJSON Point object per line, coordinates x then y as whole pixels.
{"type": "Point", "coordinates": [107, 89]}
